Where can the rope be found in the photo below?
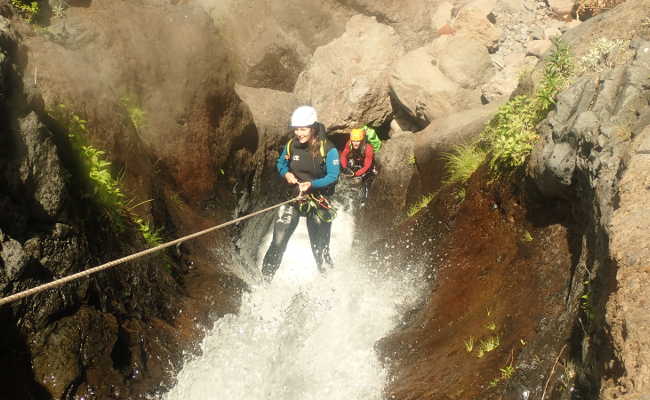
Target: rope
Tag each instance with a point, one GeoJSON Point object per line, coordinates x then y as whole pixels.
{"type": "Point", "coordinates": [70, 278]}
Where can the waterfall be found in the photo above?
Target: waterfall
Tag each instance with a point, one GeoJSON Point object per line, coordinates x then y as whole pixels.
{"type": "Point", "coordinates": [304, 336]}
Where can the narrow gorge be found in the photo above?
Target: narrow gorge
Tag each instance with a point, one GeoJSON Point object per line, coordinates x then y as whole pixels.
{"type": "Point", "coordinates": [502, 252]}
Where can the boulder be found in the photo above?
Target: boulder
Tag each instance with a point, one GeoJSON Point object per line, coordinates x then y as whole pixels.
{"type": "Point", "coordinates": [471, 21]}
{"type": "Point", "coordinates": [441, 136]}
{"type": "Point", "coordinates": [420, 88]}
{"type": "Point", "coordinates": [506, 80]}
{"type": "Point", "coordinates": [433, 81]}
{"type": "Point", "coordinates": [552, 32]}
{"type": "Point", "coordinates": [412, 20]}
{"type": "Point", "coordinates": [453, 59]}
{"type": "Point", "coordinates": [346, 79]}
{"type": "Point", "coordinates": [562, 8]}
{"type": "Point", "coordinates": [13, 259]}
{"type": "Point", "coordinates": [442, 16]}
{"type": "Point", "coordinates": [538, 48]}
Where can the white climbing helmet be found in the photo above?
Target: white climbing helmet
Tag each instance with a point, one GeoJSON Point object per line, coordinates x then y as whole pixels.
{"type": "Point", "coordinates": [303, 116]}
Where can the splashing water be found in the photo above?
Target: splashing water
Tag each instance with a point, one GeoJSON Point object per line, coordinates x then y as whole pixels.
{"type": "Point", "coordinates": [304, 336]}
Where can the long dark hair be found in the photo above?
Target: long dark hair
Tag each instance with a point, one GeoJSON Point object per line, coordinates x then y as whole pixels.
{"type": "Point", "coordinates": [314, 144]}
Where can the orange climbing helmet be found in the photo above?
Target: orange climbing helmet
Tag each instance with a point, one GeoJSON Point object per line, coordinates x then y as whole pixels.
{"type": "Point", "coordinates": [357, 135]}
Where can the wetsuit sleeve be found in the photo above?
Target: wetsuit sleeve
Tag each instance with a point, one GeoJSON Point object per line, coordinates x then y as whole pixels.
{"type": "Point", "coordinates": [344, 155]}
{"type": "Point", "coordinates": [282, 164]}
{"type": "Point", "coordinates": [332, 169]}
{"type": "Point", "coordinates": [367, 160]}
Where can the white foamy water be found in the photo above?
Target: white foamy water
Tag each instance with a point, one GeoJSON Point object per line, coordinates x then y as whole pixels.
{"type": "Point", "coordinates": [304, 336]}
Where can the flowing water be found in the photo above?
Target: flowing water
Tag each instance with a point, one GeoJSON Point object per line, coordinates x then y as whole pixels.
{"type": "Point", "coordinates": [304, 336]}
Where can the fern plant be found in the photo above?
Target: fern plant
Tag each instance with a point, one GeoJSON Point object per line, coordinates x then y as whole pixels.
{"type": "Point", "coordinates": [102, 186]}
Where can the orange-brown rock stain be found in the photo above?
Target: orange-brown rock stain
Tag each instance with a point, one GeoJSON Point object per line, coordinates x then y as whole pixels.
{"type": "Point", "coordinates": [504, 268]}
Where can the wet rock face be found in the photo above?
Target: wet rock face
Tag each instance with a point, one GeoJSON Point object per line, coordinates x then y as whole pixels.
{"type": "Point", "coordinates": [391, 186]}
{"type": "Point", "coordinates": [52, 346]}
{"type": "Point", "coordinates": [145, 108]}
{"type": "Point", "coordinates": [502, 267]}
{"type": "Point", "coordinates": [272, 51]}
{"type": "Point", "coordinates": [593, 151]}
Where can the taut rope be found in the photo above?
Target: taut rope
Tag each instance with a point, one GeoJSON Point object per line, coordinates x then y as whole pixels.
{"type": "Point", "coordinates": [70, 278]}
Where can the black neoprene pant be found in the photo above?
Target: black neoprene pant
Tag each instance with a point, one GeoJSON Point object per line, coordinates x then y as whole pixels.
{"type": "Point", "coordinates": [285, 224]}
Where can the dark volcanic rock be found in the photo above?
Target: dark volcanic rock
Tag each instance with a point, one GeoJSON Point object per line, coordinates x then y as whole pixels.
{"type": "Point", "coordinates": [592, 151]}
{"type": "Point", "coordinates": [62, 343]}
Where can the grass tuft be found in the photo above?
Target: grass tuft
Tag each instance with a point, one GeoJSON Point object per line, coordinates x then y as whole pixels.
{"type": "Point", "coordinates": [422, 203]}
{"type": "Point", "coordinates": [461, 163]}
{"type": "Point", "coordinates": [488, 344]}
{"type": "Point", "coordinates": [469, 344]}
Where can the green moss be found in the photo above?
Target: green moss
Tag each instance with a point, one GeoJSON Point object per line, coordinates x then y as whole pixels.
{"type": "Point", "coordinates": [134, 110]}
{"type": "Point", "coordinates": [423, 202]}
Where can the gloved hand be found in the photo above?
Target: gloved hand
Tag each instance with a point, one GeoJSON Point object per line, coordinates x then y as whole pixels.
{"type": "Point", "coordinates": [347, 172]}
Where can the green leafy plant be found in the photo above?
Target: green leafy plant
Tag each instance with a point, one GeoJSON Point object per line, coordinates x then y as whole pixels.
{"type": "Point", "coordinates": [511, 134]}
{"type": "Point", "coordinates": [134, 110]}
{"type": "Point", "coordinates": [102, 186]}
{"type": "Point", "coordinates": [26, 9]}
{"type": "Point", "coordinates": [586, 304]}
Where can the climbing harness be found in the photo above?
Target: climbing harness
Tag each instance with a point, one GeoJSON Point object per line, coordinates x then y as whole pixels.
{"type": "Point", "coordinates": [320, 205]}
{"type": "Point", "coordinates": [73, 277]}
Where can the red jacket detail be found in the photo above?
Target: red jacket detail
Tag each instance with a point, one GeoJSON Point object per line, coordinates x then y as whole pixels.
{"type": "Point", "coordinates": [369, 156]}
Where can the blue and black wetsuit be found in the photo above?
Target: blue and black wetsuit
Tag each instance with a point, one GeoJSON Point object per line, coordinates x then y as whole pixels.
{"type": "Point", "coordinates": [307, 163]}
